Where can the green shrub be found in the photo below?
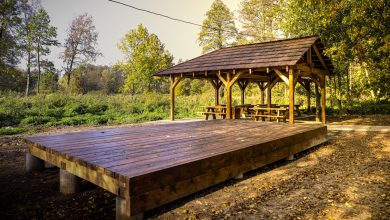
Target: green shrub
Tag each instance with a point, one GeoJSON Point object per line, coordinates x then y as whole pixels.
{"type": "Point", "coordinates": [11, 131]}
{"type": "Point", "coordinates": [37, 120]}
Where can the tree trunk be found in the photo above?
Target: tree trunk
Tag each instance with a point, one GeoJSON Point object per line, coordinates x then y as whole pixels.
{"type": "Point", "coordinates": [28, 73]}
{"type": "Point", "coordinates": [347, 86]}
{"type": "Point", "coordinates": [70, 70]}
{"type": "Point", "coordinates": [339, 92]}
{"type": "Point", "coordinates": [39, 69]}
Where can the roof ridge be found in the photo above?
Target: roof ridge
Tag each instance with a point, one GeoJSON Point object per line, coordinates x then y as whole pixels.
{"type": "Point", "coordinates": [272, 41]}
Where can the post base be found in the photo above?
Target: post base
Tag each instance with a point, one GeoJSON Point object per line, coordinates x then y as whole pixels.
{"type": "Point", "coordinates": [33, 163]}
{"type": "Point", "coordinates": [239, 176]}
{"type": "Point", "coordinates": [123, 210]}
{"type": "Point", "coordinates": [291, 157]}
{"type": "Point", "coordinates": [69, 183]}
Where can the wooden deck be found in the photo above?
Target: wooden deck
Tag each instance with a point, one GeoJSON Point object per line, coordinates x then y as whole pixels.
{"type": "Point", "coordinates": [148, 166]}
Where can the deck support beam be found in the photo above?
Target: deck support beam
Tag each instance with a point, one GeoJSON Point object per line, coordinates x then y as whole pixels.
{"type": "Point", "coordinates": [34, 163]}
{"type": "Point", "coordinates": [174, 83]}
{"type": "Point", "coordinates": [69, 183]}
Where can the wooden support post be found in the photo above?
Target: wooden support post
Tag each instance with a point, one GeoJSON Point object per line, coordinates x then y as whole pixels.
{"type": "Point", "coordinates": [216, 96]}
{"type": "Point", "coordinates": [34, 163]}
{"type": "Point", "coordinates": [269, 95]}
{"type": "Point", "coordinates": [172, 102]}
{"type": "Point", "coordinates": [228, 97]}
{"type": "Point", "coordinates": [174, 83]}
{"type": "Point", "coordinates": [291, 95]}
{"type": "Point", "coordinates": [229, 82]}
{"type": "Point", "coordinates": [69, 183]}
{"type": "Point", "coordinates": [323, 101]}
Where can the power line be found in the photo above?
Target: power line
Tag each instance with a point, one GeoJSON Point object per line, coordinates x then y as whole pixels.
{"type": "Point", "coordinates": [184, 21]}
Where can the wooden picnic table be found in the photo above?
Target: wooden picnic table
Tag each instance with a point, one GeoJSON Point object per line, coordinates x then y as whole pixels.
{"type": "Point", "coordinates": [214, 111]}
{"type": "Point", "coordinates": [277, 113]}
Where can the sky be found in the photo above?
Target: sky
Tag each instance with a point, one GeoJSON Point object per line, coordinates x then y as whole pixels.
{"type": "Point", "coordinates": [113, 21]}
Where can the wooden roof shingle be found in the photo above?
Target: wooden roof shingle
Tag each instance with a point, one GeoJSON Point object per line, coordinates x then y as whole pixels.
{"type": "Point", "coordinates": [260, 55]}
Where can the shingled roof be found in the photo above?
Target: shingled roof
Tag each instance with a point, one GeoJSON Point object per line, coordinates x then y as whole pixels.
{"type": "Point", "coordinates": [260, 55]}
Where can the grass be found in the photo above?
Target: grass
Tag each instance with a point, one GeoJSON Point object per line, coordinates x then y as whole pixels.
{"type": "Point", "coordinates": [101, 109]}
{"type": "Point", "coordinates": [91, 109]}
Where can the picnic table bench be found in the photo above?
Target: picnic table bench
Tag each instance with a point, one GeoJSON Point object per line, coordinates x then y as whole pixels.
{"type": "Point", "coordinates": [271, 113]}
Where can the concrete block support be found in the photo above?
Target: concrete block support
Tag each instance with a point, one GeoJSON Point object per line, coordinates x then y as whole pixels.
{"type": "Point", "coordinates": [239, 176]}
{"type": "Point", "coordinates": [123, 211]}
{"type": "Point", "coordinates": [69, 183]}
{"type": "Point", "coordinates": [291, 157]}
{"type": "Point", "coordinates": [34, 163]}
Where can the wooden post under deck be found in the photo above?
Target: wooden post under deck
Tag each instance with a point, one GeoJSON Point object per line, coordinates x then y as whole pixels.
{"type": "Point", "coordinates": [291, 86]}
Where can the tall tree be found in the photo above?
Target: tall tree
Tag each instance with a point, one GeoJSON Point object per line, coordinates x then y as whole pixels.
{"type": "Point", "coordinates": [80, 44]}
{"type": "Point", "coordinates": [44, 35]}
{"type": "Point", "coordinates": [259, 20]}
{"type": "Point", "coordinates": [26, 36]}
{"type": "Point", "coordinates": [145, 55]}
{"type": "Point", "coordinates": [218, 29]}
{"type": "Point", "coordinates": [10, 19]}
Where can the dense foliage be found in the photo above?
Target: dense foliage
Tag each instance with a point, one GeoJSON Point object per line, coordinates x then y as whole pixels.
{"type": "Point", "coordinates": [144, 56]}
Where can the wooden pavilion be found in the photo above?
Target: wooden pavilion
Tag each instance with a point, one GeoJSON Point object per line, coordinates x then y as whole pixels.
{"type": "Point", "coordinates": [151, 165]}
{"type": "Point", "coordinates": [291, 61]}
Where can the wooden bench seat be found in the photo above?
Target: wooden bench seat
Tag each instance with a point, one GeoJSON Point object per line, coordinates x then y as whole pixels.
{"type": "Point", "coordinates": [222, 114]}
{"type": "Point", "coordinates": [272, 116]}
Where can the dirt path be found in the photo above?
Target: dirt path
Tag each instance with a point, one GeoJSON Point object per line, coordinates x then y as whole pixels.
{"type": "Point", "coordinates": [347, 178]}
